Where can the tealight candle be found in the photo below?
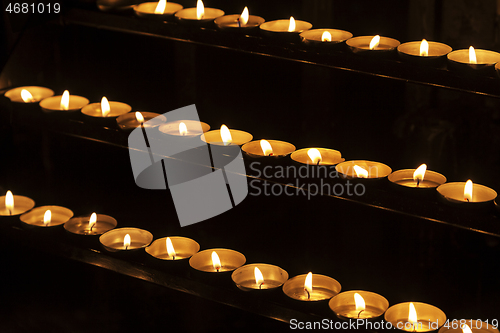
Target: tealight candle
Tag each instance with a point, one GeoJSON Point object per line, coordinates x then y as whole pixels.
{"type": "Point", "coordinates": [28, 94]}
{"type": "Point", "coordinates": [47, 216]}
{"type": "Point", "coordinates": [358, 304]}
{"type": "Point", "coordinates": [468, 326]}
{"type": "Point", "coordinates": [217, 260]}
{"type": "Point", "coordinates": [325, 37]}
{"type": "Point", "coordinates": [239, 22]}
{"type": "Point", "coordinates": [290, 28]}
{"type": "Point", "coordinates": [106, 109]}
{"type": "Point", "coordinates": [467, 192]}
{"type": "Point", "coordinates": [198, 15]}
{"type": "Point", "coordinates": [184, 128]}
{"type": "Point", "coordinates": [417, 178]}
{"type": "Point", "coordinates": [259, 277]}
{"type": "Point", "coordinates": [424, 52]}
{"type": "Point", "coordinates": [64, 102]}
{"type": "Point", "coordinates": [415, 317]}
{"type": "Point", "coordinates": [226, 136]}
{"type": "Point", "coordinates": [311, 287]}
{"type": "Point", "coordinates": [363, 169]}
{"type": "Point", "coordinates": [95, 224]}
{"type": "Point", "coordinates": [317, 156]}
{"type": "Point", "coordinates": [11, 205]}
{"type": "Point", "coordinates": [272, 148]}
{"type": "Point", "coordinates": [472, 60]}
{"type": "Point", "coordinates": [125, 239]}
{"type": "Point", "coordinates": [372, 44]}
{"type": "Point", "coordinates": [131, 120]}
{"type": "Point", "coordinates": [161, 10]}
{"type": "Point", "coordinates": [173, 248]}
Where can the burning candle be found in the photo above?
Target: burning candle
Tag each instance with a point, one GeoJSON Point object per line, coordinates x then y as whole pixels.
{"type": "Point", "coordinates": [363, 169]}
{"type": "Point", "coordinates": [125, 239]}
{"type": "Point", "coordinates": [157, 10]}
{"type": "Point", "coordinates": [173, 248]}
{"type": "Point", "coordinates": [415, 317]}
{"type": "Point", "coordinates": [469, 326]}
{"type": "Point", "coordinates": [424, 52]}
{"type": "Point", "coordinates": [325, 37]}
{"type": "Point", "coordinates": [184, 128]}
{"type": "Point", "coordinates": [95, 224]}
{"type": "Point", "coordinates": [358, 304]}
{"type": "Point", "coordinates": [226, 136]}
{"type": "Point", "coordinates": [372, 44]}
{"type": "Point", "coordinates": [131, 120]}
{"type": "Point", "coordinates": [64, 102]}
{"type": "Point", "coordinates": [317, 156]}
{"type": "Point", "coordinates": [472, 60]}
{"type": "Point", "coordinates": [106, 109]}
{"type": "Point", "coordinates": [239, 22]}
{"type": "Point", "coordinates": [28, 94]}
{"type": "Point", "coordinates": [47, 216]}
{"type": "Point", "coordinates": [272, 148]}
{"type": "Point", "coordinates": [417, 178]}
{"type": "Point", "coordinates": [259, 277]}
{"type": "Point", "coordinates": [311, 287]}
{"type": "Point", "coordinates": [198, 15]}
{"type": "Point", "coordinates": [290, 28]}
{"type": "Point", "coordinates": [467, 192]}
{"type": "Point", "coordinates": [217, 260]}
{"type": "Point", "coordinates": [11, 205]}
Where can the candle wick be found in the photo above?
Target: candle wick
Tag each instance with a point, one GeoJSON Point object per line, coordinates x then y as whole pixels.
{"type": "Point", "coordinates": [239, 22]}
{"type": "Point", "coordinates": [418, 181]}
{"type": "Point", "coordinates": [10, 212]}
{"type": "Point", "coordinates": [318, 162]}
{"type": "Point", "coordinates": [126, 247]}
{"type": "Point", "coordinates": [308, 294]}
{"type": "Point", "coordinates": [260, 285]}
{"type": "Point", "coordinates": [467, 199]}
{"type": "Point", "coordinates": [173, 257]}
{"type": "Point", "coordinates": [360, 312]}
{"type": "Point", "coordinates": [217, 270]}
{"type": "Point", "coordinates": [92, 226]}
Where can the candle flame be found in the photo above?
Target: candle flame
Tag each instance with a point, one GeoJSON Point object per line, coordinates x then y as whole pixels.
{"type": "Point", "coordinates": [27, 96]}
{"type": "Point", "coordinates": [472, 56]}
{"type": "Point", "coordinates": [92, 220]}
{"type": "Point", "coordinates": [105, 109]}
{"type": "Point", "coordinates": [291, 26]}
{"type": "Point", "coordinates": [468, 191]}
{"type": "Point", "coordinates": [244, 16]}
{"type": "Point", "coordinates": [160, 7]}
{"type": "Point", "coordinates": [126, 241]}
{"type": "Point", "coordinates": [9, 202]}
{"type": "Point", "coordinates": [65, 100]}
{"type": "Point", "coordinates": [183, 129]}
{"type": "Point", "coordinates": [139, 117]}
{"type": "Point", "coordinates": [314, 155]}
{"type": "Point", "coordinates": [170, 248]}
{"type": "Point", "coordinates": [412, 315]}
{"type": "Point", "coordinates": [259, 278]}
{"type": "Point", "coordinates": [360, 172]}
{"type": "Point", "coordinates": [374, 42]}
{"type": "Point", "coordinates": [326, 36]}
{"type": "Point", "coordinates": [266, 147]}
{"type": "Point", "coordinates": [225, 134]}
{"type": "Point", "coordinates": [216, 261]}
{"type": "Point", "coordinates": [47, 217]}
{"type": "Point", "coordinates": [424, 48]}
{"type": "Point", "coordinates": [200, 10]}
{"type": "Point", "coordinates": [360, 302]}
{"type": "Point", "coordinates": [308, 284]}
{"type": "Point", "coordinates": [466, 329]}
{"type": "Point", "coordinates": [419, 173]}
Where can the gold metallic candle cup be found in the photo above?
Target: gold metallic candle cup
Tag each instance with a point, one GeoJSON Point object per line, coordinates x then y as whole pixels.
{"type": "Point", "coordinates": [112, 240]}
{"type": "Point", "coordinates": [454, 192]}
{"type": "Point", "coordinates": [429, 317]}
{"type": "Point", "coordinates": [188, 16]}
{"type": "Point", "coordinates": [280, 148]}
{"type": "Point", "coordinates": [35, 217]}
{"type": "Point", "coordinates": [230, 260]}
{"type": "Point", "coordinates": [147, 10]}
{"type": "Point", "coordinates": [328, 156]}
{"type": "Point", "coordinates": [361, 45]}
{"type": "Point", "coordinates": [476, 326]}
{"type": "Point", "coordinates": [128, 121]}
{"type": "Point", "coordinates": [38, 93]}
{"type": "Point", "coordinates": [486, 60]}
{"type": "Point", "coordinates": [273, 277]}
{"type": "Point", "coordinates": [21, 204]}
{"type": "Point", "coordinates": [194, 128]}
{"type": "Point", "coordinates": [80, 225]}
{"type": "Point", "coordinates": [436, 54]}
{"type": "Point", "coordinates": [184, 248]}
{"type": "Point", "coordinates": [323, 287]}
{"type": "Point", "coordinates": [375, 170]}
{"type": "Point", "coordinates": [115, 109]}
{"type": "Point", "coordinates": [314, 37]}
{"type": "Point", "coordinates": [344, 305]}
{"type": "Point", "coordinates": [405, 178]}
{"type": "Point", "coordinates": [53, 103]}
{"type": "Point", "coordinates": [239, 137]}
{"type": "Point", "coordinates": [230, 22]}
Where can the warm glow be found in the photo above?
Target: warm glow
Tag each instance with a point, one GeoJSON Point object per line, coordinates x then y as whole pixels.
{"type": "Point", "coordinates": [47, 217]}
{"type": "Point", "coordinates": [9, 202]}
{"type": "Point", "coordinates": [65, 100]}
{"type": "Point", "coordinates": [139, 117]}
{"type": "Point", "coordinates": [326, 36]}
{"type": "Point", "coordinates": [374, 42]}
{"type": "Point", "coordinates": [291, 26]}
{"type": "Point", "coordinates": [105, 107]}
{"type": "Point", "coordinates": [259, 278]}
{"type": "Point", "coordinates": [183, 130]}
{"type": "Point", "coordinates": [216, 261]}
{"type": "Point", "coordinates": [472, 56]}
{"type": "Point", "coordinates": [314, 155]}
{"type": "Point", "coordinates": [170, 248]}
{"type": "Point", "coordinates": [360, 172]}
{"type": "Point", "coordinates": [468, 191]}
{"type": "Point", "coordinates": [160, 7]}
{"type": "Point", "coordinates": [308, 284]}
{"type": "Point", "coordinates": [200, 10]}
{"type": "Point", "coordinates": [244, 17]}
{"type": "Point", "coordinates": [412, 315]}
{"type": "Point", "coordinates": [266, 147]}
{"type": "Point", "coordinates": [225, 135]}
{"type": "Point", "coordinates": [92, 220]}
{"type": "Point", "coordinates": [360, 302]}
{"type": "Point", "coordinates": [126, 241]}
{"type": "Point", "coordinates": [27, 96]}
{"type": "Point", "coordinates": [424, 48]}
{"type": "Point", "coordinates": [466, 329]}
{"type": "Point", "coordinates": [419, 173]}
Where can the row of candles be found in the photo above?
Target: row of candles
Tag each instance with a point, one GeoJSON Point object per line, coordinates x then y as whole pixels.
{"type": "Point", "coordinates": [353, 304]}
